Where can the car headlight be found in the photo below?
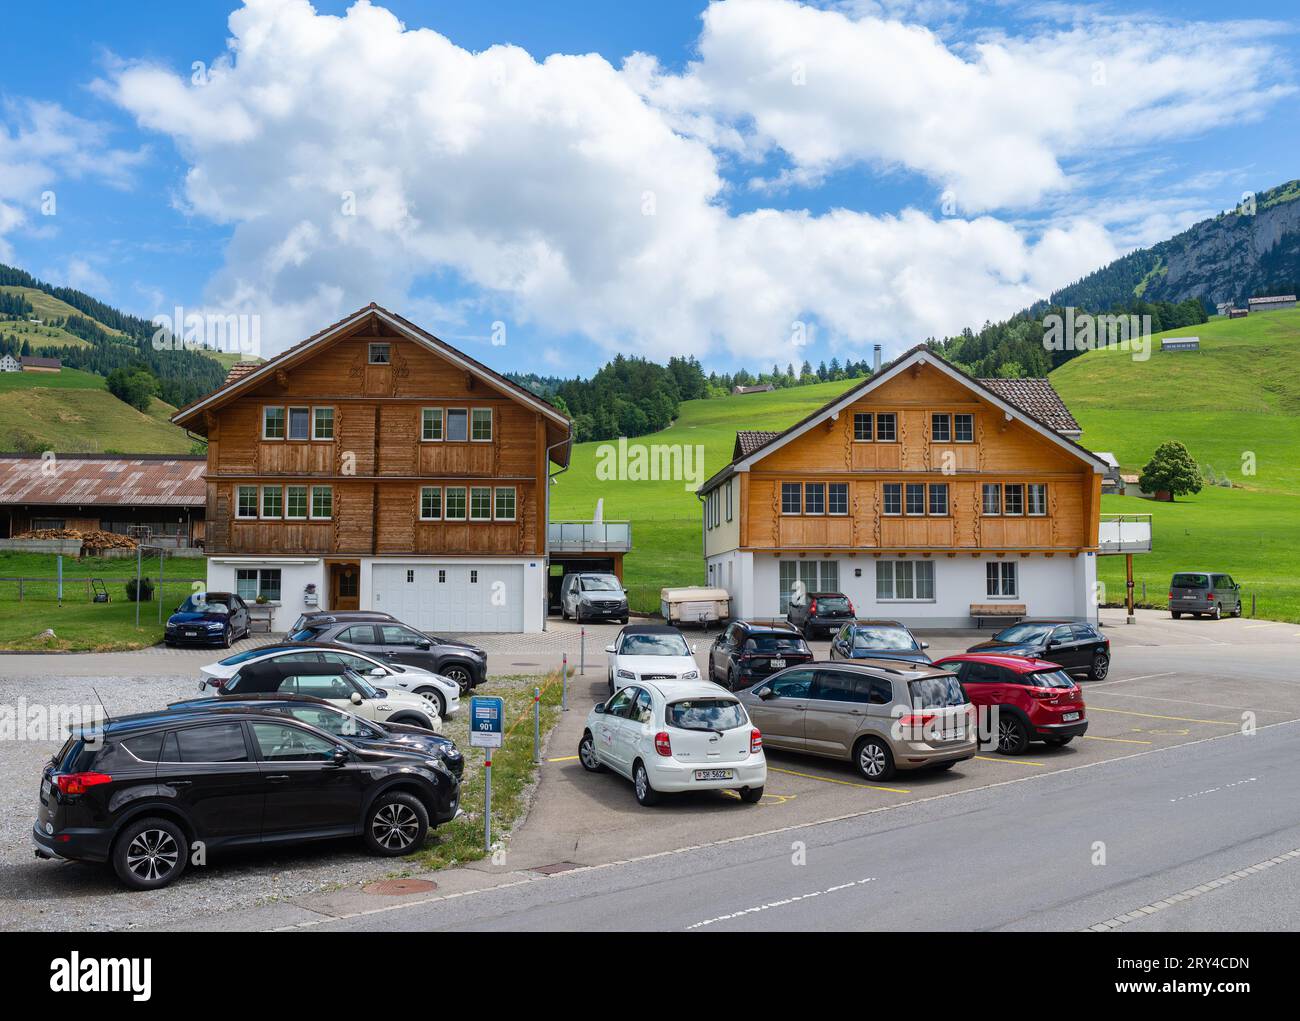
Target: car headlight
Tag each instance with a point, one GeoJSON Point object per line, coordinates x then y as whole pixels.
{"type": "Point", "coordinates": [691, 675]}
{"type": "Point", "coordinates": [216, 626]}
{"type": "Point", "coordinates": [628, 674]}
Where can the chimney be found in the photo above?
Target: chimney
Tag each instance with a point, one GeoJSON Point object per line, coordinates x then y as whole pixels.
{"type": "Point", "coordinates": [875, 360]}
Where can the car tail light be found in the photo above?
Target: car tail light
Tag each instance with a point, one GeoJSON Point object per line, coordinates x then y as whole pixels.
{"type": "Point", "coordinates": [812, 607]}
{"type": "Point", "coordinates": [755, 741]}
{"type": "Point", "coordinates": [215, 682]}
{"type": "Point", "coordinates": [1171, 595]}
{"type": "Point", "coordinates": [916, 719]}
{"type": "Point", "coordinates": [662, 745]}
{"type": "Point", "coordinates": [1209, 597]}
{"type": "Point", "coordinates": [852, 612]}
{"type": "Point", "coordinates": [1045, 692]}
{"type": "Point", "coordinates": [76, 783]}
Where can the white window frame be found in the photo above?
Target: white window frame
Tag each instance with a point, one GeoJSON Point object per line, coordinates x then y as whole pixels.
{"type": "Point", "coordinates": [431, 489]}
{"type": "Point", "coordinates": [1005, 489]}
{"type": "Point", "coordinates": [261, 506]}
{"type": "Point", "coordinates": [514, 503]}
{"type": "Point", "coordinates": [884, 500]}
{"type": "Point", "coordinates": [425, 419]}
{"type": "Point", "coordinates": [833, 513]}
{"type": "Point", "coordinates": [814, 513]}
{"type": "Point", "coordinates": [288, 422]}
{"type": "Point", "coordinates": [446, 503]}
{"type": "Point", "coordinates": [996, 488]}
{"type": "Point", "coordinates": [1029, 500]}
{"type": "Point", "coordinates": [1000, 581]}
{"type": "Point", "coordinates": [925, 495]}
{"type": "Point", "coordinates": [446, 424]}
{"type": "Point", "coordinates": [964, 414]}
{"type": "Point", "coordinates": [793, 513]}
{"type": "Point", "coordinates": [370, 352]}
{"type": "Point", "coordinates": [729, 498]}
{"type": "Point", "coordinates": [257, 503]}
{"type": "Point", "coordinates": [259, 573]}
{"type": "Point", "coordinates": [934, 416]}
{"type": "Point", "coordinates": [915, 569]}
{"type": "Point", "coordinates": [284, 422]}
{"type": "Point", "coordinates": [871, 427]}
{"type": "Point", "coordinates": [306, 504]}
{"type": "Point", "coordinates": [311, 504]}
{"type": "Point", "coordinates": [315, 422]}
{"type": "Point", "coordinates": [893, 415]}
{"type": "Point", "coordinates": [490, 421]}
{"type": "Point", "coordinates": [480, 489]}
{"type": "Point", "coordinates": [929, 499]}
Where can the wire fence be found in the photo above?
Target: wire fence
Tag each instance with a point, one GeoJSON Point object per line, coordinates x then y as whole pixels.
{"type": "Point", "coordinates": [83, 590]}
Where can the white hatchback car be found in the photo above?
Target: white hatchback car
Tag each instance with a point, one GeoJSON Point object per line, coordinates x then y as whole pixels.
{"type": "Point", "coordinates": [676, 736]}
{"type": "Point", "coordinates": [650, 652]}
{"type": "Point", "coordinates": [442, 693]}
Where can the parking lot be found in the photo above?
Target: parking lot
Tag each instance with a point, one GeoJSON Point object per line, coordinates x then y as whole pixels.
{"type": "Point", "coordinates": [1171, 683]}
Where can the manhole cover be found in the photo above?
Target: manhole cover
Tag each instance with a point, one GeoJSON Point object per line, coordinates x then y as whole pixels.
{"type": "Point", "coordinates": [559, 866]}
{"type": "Point", "coordinates": [400, 887]}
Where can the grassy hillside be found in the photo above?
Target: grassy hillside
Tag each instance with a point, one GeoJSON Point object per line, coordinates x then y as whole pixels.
{"type": "Point", "coordinates": [1234, 402]}
{"type": "Point", "coordinates": [665, 515]}
{"type": "Point", "coordinates": [73, 411]}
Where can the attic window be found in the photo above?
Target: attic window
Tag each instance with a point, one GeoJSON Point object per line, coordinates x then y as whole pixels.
{"type": "Point", "coordinates": [379, 354]}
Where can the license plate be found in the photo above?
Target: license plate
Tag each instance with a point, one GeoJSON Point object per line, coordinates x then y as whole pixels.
{"type": "Point", "coordinates": [1069, 717]}
{"type": "Point", "coordinates": [715, 774]}
{"type": "Point", "coordinates": [45, 790]}
{"type": "Point", "coordinates": [191, 634]}
{"type": "Point", "coordinates": [778, 664]}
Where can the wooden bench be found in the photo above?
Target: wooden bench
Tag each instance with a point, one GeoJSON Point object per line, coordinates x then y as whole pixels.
{"type": "Point", "coordinates": [261, 617]}
{"type": "Point", "coordinates": [996, 611]}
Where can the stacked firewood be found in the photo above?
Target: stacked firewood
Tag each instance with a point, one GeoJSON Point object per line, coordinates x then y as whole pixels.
{"type": "Point", "coordinates": [91, 538]}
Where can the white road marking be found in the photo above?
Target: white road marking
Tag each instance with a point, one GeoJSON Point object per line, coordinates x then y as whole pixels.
{"type": "Point", "coordinates": [1126, 680]}
{"type": "Point", "coordinates": [1212, 790]}
{"type": "Point", "coordinates": [1207, 705]}
{"type": "Point", "coordinates": [779, 903]}
{"type": "Point", "coordinates": [1195, 891]}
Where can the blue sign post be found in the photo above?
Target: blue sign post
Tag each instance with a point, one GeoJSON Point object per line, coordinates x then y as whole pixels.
{"type": "Point", "coordinates": [486, 731]}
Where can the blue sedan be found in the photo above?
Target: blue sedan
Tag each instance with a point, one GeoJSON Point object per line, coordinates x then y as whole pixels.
{"type": "Point", "coordinates": [208, 618]}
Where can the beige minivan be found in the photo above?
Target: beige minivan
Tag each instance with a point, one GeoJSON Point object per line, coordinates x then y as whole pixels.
{"type": "Point", "coordinates": [880, 715]}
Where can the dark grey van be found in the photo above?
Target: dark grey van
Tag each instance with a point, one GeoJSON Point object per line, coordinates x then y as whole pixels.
{"type": "Point", "coordinates": [1204, 594]}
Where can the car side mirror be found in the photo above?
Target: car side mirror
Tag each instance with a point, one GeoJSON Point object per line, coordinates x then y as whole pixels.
{"type": "Point", "coordinates": [423, 646]}
{"type": "Point", "coordinates": [599, 707]}
{"type": "Point", "coordinates": [609, 648]}
{"type": "Point", "coordinates": [356, 698]}
{"type": "Point", "coordinates": [341, 756]}
{"type": "Point", "coordinates": [694, 649]}
{"type": "Point", "coordinates": [1052, 643]}
{"type": "Point", "coordinates": [378, 672]}
{"type": "Point", "coordinates": [765, 693]}
{"type": "Point", "coordinates": [925, 645]}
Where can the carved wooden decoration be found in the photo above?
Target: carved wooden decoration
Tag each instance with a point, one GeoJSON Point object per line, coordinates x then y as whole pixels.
{"type": "Point", "coordinates": [1056, 521]}
{"type": "Point", "coordinates": [282, 379]}
{"type": "Point", "coordinates": [776, 514]}
{"type": "Point", "coordinates": [358, 367]}
{"type": "Point", "coordinates": [902, 439]}
{"type": "Point", "coordinates": [401, 370]}
{"type": "Point", "coordinates": [980, 441]}
{"type": "Point", "coordinates": [875, 514]}
{"type": "Point", "coordinates": [848, 445]}
{"type": "Point", "coordinates": [976, 513]}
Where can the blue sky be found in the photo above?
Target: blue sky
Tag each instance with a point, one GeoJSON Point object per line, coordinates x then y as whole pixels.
{"type": "Point", "coordinates": [702, 180]}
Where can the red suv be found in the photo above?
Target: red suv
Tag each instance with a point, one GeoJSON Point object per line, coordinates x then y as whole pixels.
{"type": "Point", "coordinates": [1036, 700]}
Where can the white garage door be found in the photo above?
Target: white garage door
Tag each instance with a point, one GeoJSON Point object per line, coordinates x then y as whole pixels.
{"type": "Point", "coordinates": [452, 597]}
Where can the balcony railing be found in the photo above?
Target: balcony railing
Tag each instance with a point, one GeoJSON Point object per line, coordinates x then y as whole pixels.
{"type": "Point", "coordinates": [589, 536]}
{"type": "Point", "coordinates": [1124, 533]}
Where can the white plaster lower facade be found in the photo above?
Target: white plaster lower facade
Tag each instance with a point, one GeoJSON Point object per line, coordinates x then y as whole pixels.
{"type": "Point", "coordinates": [445, 594]}
{"type": "Point", "coordinates": [1055, 586]}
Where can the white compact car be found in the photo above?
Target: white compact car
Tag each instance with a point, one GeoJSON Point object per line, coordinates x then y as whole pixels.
{"type": "Point", "coordinates": [442, 693]}
{"type": "Point", "coordinates": [650, 652]}
{"type": "Point", "coordinates": [676, 736]}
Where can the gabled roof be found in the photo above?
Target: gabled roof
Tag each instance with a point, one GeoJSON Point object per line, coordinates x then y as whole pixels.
{"type": "Point", "coordinates": [86, 480]}
{"type": "Point", "coordinates": [1038, 398]}
{"type": "Point", "coordinates": [40, 362]}
{"type": "Point", "coordinates": [749, 440]}
{"type": "Point", "coordinates": [246, 376]}
{"type": "Point", "coordinates": [919, 355]}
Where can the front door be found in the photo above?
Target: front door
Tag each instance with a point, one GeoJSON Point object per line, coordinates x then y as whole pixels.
{"type": "Point", "coordinates": [345, 587]}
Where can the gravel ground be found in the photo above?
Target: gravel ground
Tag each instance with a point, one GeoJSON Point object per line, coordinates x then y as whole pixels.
{"type": "Point", "coordinates": [53, 895]}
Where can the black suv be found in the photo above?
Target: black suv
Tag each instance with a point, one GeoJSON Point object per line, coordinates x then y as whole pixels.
{"type": "Point", "coordinates": [745, 652]}
{"type": "Point", "coordinates": [318, 713]}
{"type": "Point", "coordinates": [1075, 645]}
{"type": "Point", "coordinates": [819, 612]}
{"type": "Point", "coordinates": [381, 636]}
{"type": "Point", "coordinates": [140, 791]}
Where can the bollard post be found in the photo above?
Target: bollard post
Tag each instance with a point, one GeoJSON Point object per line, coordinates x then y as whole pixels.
{"type": "Point", "coordinates": [487, 800]}
{"type": "Point", "coordinates": [1252, 604]}
{"type": "Point", "coordinates": [1144, 592]}
{"type": "Point", "coordinates": [537, 726]}
{"type": "Point", "coordinates": [582, 652]}
{"type": "Point", "coordinates": [564, 683]}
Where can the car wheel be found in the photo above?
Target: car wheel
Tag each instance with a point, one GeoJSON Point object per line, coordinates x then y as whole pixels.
{"type": "Point", "coordinates": [751, 795]}
{"type": "Point", "coordinates": [873, 759]}
{"type": "Point", "coordinates": [623, 619]}
{"type": "Point", "coordinates": [225, 638]}
{"type": "Point", "coordinates": [564, 614]}
{"type": "Point", "coordinates": [396, 824]}
{"type": "Point", "coordinates": [1218, 611]}
{"type": "Point", "coordinates": [1013, 738]}
{"type": "Point", "coordinates": [1100, 667]}
{"type": "Point", "coordinates": [610, 679]}
{"type": "Point", "coordinates": [434, 697]}
{"type": "Point", "coordinates": [1237, 612]}
{"type": "Point", "coordinates": [646, 795]}
{"type": "Point", "coordinates": [150, 854]}
{"type": "Point", "coordinates": [1059, 742]}
{"type": "Point", "coordinates": [412, 720]}
{"type": "Point", "coordinates": [732, 679]}
{"type": "Point", "coordinates": [459, 674]}
{"type": "Point", "coordinates": [1175, 614]}
{"type": "Point", "coordinates": [587, 754]}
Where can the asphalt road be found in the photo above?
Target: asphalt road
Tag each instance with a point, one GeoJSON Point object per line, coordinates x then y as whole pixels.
{"type": "Point", "coordinates": [1021, 856]}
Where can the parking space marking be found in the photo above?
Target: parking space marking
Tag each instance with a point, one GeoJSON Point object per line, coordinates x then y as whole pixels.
{"type": "Point", "coordinates": [563, 758]}
{"type": "Point", "coordinates": [1117, 740]}
{"type": "Point", "coordinates": [1157, 716]}
{"type": "Point", "coordinates": [780, 903]}
{"type": "Point", "coordinates": [846, 783]}
{"type": "Point", "coordinates": [1207, 705]}
{"type": "Point", "coordinates": [1126, 680]}
{"type": "Point", "coordinates": [1008, 758]}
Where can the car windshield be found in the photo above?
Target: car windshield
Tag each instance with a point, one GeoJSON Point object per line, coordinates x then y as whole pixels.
{"type": "Point", "coordinates": [202, 603]}
{"type": "Point", "coordinates": [936, 692]}
{"type": "Point", "coordinates": [887, 638]}
{"type": "Point", "coordinates": [365, 687]}
{"type": "Point", "coordinates": [654, 645]}
{"type": "Point", "coordinates": [244, 657]}
{"type": "Point", "coordinates": [1047, 679]}
{"type": "Point", "coordinates": [832, 604]}
{"type": "Point", "coordinates": [774, 644]}
{"type": "Point", "coordinates": [1023, 633]}
{"type": "Point", "coordinates": [1191, 581]}
{"type": "Point", "coordinates": [706, 714]}
{"type": "Point", "coordinates": [309, 634]}
{"type": "Point", "coordinates": [600, 583]}
{"type": "Point", "coordinates": [332, 721]}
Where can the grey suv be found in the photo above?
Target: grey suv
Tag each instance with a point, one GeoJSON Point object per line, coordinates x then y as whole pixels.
{"type": "Point", "coordinates": [880, 715]}
{"type": "Point", "coordinates": [379, 635]}
{"type": "Point", "coordinates": [1204, 593]}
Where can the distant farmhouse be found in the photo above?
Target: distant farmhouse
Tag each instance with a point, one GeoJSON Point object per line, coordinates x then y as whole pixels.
{"type": "Point", "coordinates": [1223, 307]}
{"type": "Point", "coordinates": [1272, 303]}
{"type": "Point", "coordinates": [761, 388]}
{"type": "Point", "coordinates": [31, 363]}
{"type": "Point", "coordinates": [1238, 313]}
{"type": "Point", "coordinates": [8, 363]}
{"type": "Point", "coordinates": [1111, 480]}
{"type": "Point", "coordinates": [1180, 344]}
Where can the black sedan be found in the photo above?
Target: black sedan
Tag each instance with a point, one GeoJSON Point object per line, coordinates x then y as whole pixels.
{"type": "Point", "coordinates": [878, 639]}
{"type": "Point", "coordinates": [368, 733]}
{"type": "Point", "coordinates": [208, 618]}
{"type": "Point", "coordinates": [1077, 646]}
